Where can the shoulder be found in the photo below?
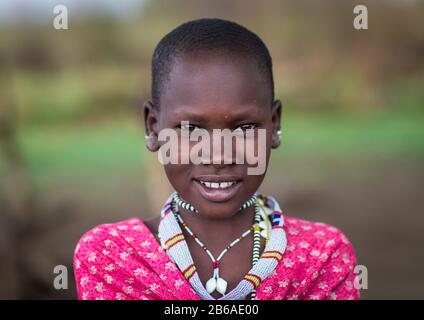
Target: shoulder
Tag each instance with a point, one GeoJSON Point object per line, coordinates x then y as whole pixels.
{"type": "Point", "coordinates": [318, 262]}
{"type": "Point", "coordinates": [102, 239]}
{"type": "Point", "coordinates": [316, 243]}
{"type": "Point", "coordinates": [112, 260]}
{"type": "Point", "coordinates": [318, 235]}
{"type": "Point", "coordinates": [315, 247]}
{"type": "Point", "coordinates": [303, 234]}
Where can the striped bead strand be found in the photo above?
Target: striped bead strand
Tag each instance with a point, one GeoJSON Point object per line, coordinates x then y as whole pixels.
{"type": "Point", "coordinates": [256, 236]}
{"type": "Point", "coordinates": [249, 203]}
{"type": "Point", "coordinates": [256, 243]}
{"type": "Point", "coordinates": [185, 205]}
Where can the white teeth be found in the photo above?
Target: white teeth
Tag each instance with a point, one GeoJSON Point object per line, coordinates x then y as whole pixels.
{"type": "Point", "coordinates": [218, 185]}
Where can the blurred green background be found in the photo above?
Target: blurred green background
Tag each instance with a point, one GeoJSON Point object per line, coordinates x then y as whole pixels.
{"type": "Point", "coordinates": [72, 140]}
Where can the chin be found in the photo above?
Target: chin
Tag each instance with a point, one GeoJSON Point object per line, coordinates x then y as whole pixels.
{"type": "Point", "coordinates": [218, 210]}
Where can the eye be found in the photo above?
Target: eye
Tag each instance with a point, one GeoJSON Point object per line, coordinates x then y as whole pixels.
{"type": "Point", "coordinates": [242, 128]}
{"type": "Point", "coordinates": [189, 127]}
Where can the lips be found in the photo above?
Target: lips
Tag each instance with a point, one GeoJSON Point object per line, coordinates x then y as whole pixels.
{"type": "Point", "coordinates": [218, 188]}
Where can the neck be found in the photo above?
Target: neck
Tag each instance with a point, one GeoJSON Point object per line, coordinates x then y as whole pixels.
{"type": "Point", "coordinates": [228, 229]}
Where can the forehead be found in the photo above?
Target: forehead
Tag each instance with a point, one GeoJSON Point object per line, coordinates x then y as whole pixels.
{"type": "Point", "coordinates": [215, 81]}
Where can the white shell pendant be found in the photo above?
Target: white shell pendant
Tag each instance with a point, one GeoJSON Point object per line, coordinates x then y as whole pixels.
{"type": "Point", "coordinates": [211, 285]}
{"type": "Point", "coordinates": [216, 283]}
{"type": "Point", "coordinates": [221, 286]}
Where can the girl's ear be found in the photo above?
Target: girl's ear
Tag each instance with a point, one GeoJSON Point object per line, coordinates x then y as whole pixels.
{"type": "Point", "coordinates": [150, 125]}
{"type": "Point", "coordinates": [276, 126]}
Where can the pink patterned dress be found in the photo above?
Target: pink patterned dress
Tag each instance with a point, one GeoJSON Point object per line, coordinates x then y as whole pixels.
{"type": "Point", "coordinates": [123, 261]}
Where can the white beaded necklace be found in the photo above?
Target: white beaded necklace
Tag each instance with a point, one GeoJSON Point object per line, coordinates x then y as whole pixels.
{"type": "Point", "coordinates": [216, 282]}
{"type": "Point", "coordinates": [172, 240]}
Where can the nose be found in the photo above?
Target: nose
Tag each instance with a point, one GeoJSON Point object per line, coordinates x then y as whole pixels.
{"type": "Point", "coordinates": [222, 150]}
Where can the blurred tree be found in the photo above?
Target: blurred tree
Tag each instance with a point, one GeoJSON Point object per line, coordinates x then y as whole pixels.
{"type": "Point", "coordinates": [18, 194]}
{"type": "Point", "coordinates": [16, 182]}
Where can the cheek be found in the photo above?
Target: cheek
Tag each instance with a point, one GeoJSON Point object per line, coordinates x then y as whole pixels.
{"type": "Point", "coordinates": [258, 148]}
{"type": "Point", "coordinates": [178, 176]}
{"type": "Point", "coordinates": [253, 182]}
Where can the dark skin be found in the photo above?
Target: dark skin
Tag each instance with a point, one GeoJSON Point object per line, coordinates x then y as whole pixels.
{"type": "Point", "coordinates": [216, 91]}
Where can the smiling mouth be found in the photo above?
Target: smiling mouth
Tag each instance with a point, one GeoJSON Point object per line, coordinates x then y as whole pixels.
{"type": "Point", "coordinates": [218, 189]}
{"type": "Point", "coordinates": [218, 185]}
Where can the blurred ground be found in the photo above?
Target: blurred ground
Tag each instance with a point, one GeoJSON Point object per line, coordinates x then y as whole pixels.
{"type": "Point", "coordinates": [72, 149]}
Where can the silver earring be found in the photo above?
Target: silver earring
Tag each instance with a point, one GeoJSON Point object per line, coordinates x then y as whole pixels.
{"type": "Point", "coordinates": [279, 134]}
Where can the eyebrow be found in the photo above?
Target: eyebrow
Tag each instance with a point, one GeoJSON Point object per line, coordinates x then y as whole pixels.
{"type": "Point", "coordinates": [200, 117]}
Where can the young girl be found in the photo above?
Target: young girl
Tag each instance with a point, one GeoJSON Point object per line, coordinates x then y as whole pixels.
{"type": "Point", "coordinates": [216, 237]}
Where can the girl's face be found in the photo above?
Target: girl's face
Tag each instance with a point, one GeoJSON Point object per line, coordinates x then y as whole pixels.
{"type": "Point", "coordinates": [215, 92]}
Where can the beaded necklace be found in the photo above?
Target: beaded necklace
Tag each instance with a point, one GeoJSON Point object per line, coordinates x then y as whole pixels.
{"type": "Point", "coordinates": [172, 240]}
{"type": "Point", "coordinates": [185, 205]}
{"type": "Point", "coordinates": [216, 282]}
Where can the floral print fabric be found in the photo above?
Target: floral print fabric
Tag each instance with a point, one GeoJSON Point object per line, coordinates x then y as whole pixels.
{"type": "Point", "coordinates": [124, 261]}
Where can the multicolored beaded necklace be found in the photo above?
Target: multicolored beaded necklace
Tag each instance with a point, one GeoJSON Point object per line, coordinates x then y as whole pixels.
{"type": "Point", "coordinates": [216, 282]}
{"type": "Point", "coordinates": [172, 240]}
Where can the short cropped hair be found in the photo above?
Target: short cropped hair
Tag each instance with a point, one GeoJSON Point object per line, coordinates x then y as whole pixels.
{"type": "Point", "coordinates": [202, 36]}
